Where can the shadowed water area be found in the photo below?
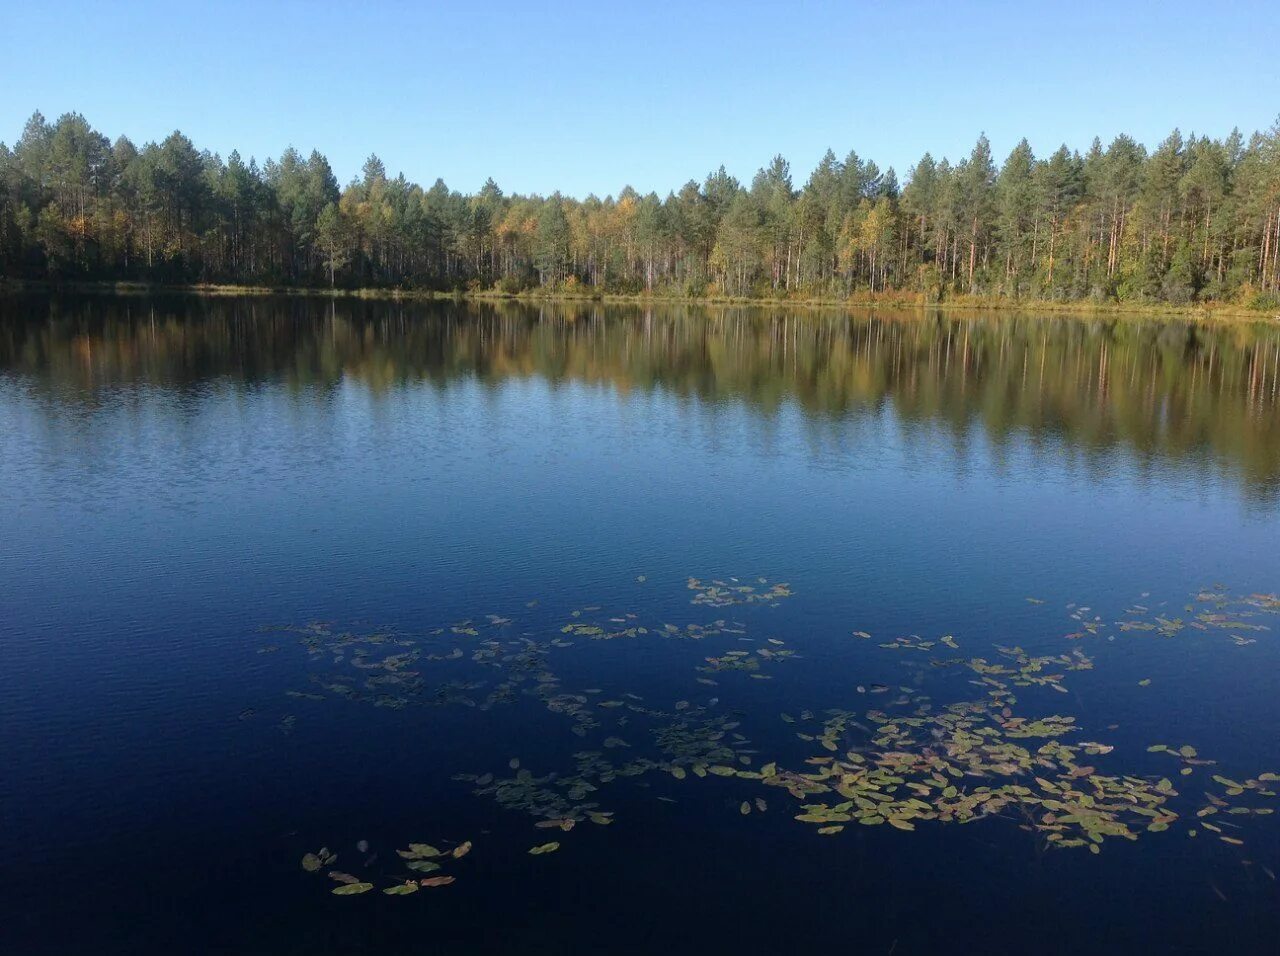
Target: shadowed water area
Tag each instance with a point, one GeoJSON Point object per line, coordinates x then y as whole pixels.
{"type": "Point", "coordinates": [369, 627]}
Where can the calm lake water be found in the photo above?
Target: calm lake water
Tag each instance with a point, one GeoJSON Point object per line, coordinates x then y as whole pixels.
{"type": "Point", "coordinates": [279, 575]}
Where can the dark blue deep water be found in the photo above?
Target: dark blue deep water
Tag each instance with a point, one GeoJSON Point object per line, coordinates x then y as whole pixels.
{"type": "Point", "coordinates": [283, 574]}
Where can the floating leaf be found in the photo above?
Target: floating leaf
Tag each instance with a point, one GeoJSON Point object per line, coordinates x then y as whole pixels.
{"type": "Point", "coordinates": [437, 881]}
{"type": "Point", "coordinates": [422, 851]}
{"type": "Point", "coordinates": [351, 889]}
{"type": "Point", "coordinates": [401, 889]}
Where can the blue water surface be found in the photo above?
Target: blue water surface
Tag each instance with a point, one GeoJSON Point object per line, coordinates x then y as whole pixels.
{"type": "Point", "coordinates": [183, 477]}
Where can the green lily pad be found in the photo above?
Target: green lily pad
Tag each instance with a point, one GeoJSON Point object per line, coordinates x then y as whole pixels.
{"type": "Point", "coordinates": [351, 889]}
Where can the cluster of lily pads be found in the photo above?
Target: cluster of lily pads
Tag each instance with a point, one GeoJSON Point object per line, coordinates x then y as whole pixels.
{"type": "Point", "coordinates": [491, 663]}
{"type": "Point", "coordinates": [910, 762]}
{"type": "Point", "coordinates": [970, 760]}
{"type": "Point", "coordinates": [419, 859]}
{"type": "Point", "coordinates": [1211, 610]}
{"type": "Point", "coordinates": [726, 593]}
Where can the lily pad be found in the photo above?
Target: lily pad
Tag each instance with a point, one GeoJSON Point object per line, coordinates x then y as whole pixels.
{"type": "Point", "coordinates": [401, 889]}
{"type": "Point", "coordinates": [351, 889]}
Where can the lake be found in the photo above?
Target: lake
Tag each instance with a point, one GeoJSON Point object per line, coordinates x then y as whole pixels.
{"type": "Point", "coordinates": [300, 595]}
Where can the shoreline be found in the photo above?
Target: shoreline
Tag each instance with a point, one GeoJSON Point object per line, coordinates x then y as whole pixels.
{"type": "Point", "coordinates": [1202, 311]}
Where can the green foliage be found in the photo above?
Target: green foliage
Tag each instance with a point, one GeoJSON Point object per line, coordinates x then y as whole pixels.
{"type": "Point", "coordinates": [1196, 218]}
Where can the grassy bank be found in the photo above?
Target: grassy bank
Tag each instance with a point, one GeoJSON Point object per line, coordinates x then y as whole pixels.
{"type": "Point", "coordinates": [899, 300]}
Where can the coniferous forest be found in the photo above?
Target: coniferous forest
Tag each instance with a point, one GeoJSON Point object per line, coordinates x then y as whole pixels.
{"type": "Point", "coordinates": [1192, 220]}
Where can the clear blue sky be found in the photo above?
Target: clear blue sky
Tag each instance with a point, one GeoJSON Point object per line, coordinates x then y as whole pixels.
{"type": "Point", "coordinates": [587, 97]}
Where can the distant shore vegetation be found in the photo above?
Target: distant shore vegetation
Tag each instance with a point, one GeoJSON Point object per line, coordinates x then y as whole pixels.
{"type": "Point", "coordinates": [1194, 221]}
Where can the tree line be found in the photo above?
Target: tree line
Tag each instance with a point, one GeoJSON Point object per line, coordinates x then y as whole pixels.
{"type": "Point", "coordinates": [1195, 219]}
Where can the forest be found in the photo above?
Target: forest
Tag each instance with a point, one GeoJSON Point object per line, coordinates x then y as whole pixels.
{"type": "Point", "coordinates": [1193, 220]}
